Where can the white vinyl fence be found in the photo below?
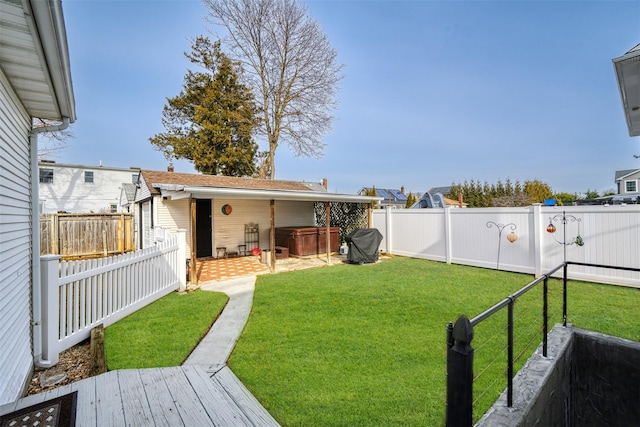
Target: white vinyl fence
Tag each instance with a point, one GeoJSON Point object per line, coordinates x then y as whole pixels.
{"type": "Point", "coordinates": [79, 295]}
{"type": "Point", "coordinates": [611, 236]}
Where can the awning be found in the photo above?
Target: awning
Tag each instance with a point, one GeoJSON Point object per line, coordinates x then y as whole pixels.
{"type": "Point", "coordinates": [182, 191]}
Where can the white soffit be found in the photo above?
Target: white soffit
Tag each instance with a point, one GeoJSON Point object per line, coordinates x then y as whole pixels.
{"type": "Point", "coordinates": [34, 57]}
{"type": "Point", "coordinates": [628, 74]}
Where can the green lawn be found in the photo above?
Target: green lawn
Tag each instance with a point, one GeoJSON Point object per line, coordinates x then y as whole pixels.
{"type": "Point", "coordinates": [353, 345]}
{"type": "Point", "coordinates": [164, 332]}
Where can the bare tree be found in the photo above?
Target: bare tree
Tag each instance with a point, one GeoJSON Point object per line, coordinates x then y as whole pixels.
{"type": "Point", "coordinates": [292, 67]}
{"type": "Point", "coordinates": [51, 143]}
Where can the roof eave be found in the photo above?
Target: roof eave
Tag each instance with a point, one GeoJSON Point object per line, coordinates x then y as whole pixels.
{"type": "Point", "coordinates": [301, 196]}
{"type": "Point", "coordinates": [627, 68]}
{"type": "Point", "coordinates": [50, 29]}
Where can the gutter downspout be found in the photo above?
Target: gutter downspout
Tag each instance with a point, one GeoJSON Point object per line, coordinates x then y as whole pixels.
{"type": "Point", "coordinates": [36, 289]}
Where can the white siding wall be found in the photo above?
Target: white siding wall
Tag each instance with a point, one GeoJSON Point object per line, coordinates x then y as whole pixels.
{"type": "Point", "coordinates": [15, 245]}
{"type": "Point", "coordinates": [70, 193]}
{"type": "Point", "coordinates": [229, 229]}
{"type": "Point", "coordinates": [294, 214]}
{"type": "Point", "coordinates": [173, 215]}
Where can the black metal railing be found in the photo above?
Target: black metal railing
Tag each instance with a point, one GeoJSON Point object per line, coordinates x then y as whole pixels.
{"type": "Point", "coordinates": [460, 352]}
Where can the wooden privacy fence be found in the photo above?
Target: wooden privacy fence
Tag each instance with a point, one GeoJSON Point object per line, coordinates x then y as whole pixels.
{"type": "Point", "coordinates": [86, 235]}
{"type": "Point", "coordinates": [76, 296]}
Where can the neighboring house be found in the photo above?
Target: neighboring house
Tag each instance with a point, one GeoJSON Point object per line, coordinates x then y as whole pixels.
{"type": "Point", "coordinates": [221, 206]}
{"type": "Point", "coordinates": [127, 197]}
{"type": "Point", "coordinates": [82, 189]}
{"type": "Point", "coordinates": [628, 182]}
{"type": "Point", "coordinates": [391, 198]}
{"type": "Point", "coordinates": [35, 82]}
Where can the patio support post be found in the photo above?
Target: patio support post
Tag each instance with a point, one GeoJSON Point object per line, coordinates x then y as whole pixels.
{"type": "Point", "coordinates": [193, 276]}
{"type": "Point", "coordinates": [370, 215]}
{"type": "Point", "coordinates": [272, 235]}
{"type": "Point", "coordinates": [327, 213]}
{"type": "Point", "coordinates": [182, 258]}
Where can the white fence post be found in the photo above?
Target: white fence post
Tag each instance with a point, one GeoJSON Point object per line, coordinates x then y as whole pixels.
{"type": "Point", "coordinates": [182, 259]}
{"type": "Point", "coordinates": [538, 226]}
{"type": "Point", "coordinates": [447, 233]}
{"type": "Point", "coordinates": [388, 230]}
{"type": "Point", "coordinates": [49, 275]}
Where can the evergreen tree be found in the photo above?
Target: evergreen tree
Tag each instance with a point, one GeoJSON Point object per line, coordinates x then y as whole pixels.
{"type": "Point", "coordinates": [537, 191]}
{"type": "Point", "coordinates": [211, 121]}
{"type": "Point", "coordinates": [411, 199]}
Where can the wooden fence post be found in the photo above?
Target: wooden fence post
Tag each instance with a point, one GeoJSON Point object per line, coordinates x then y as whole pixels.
{"type": "Point", "coordinates": [49, 275]}
{"type": "Point", "coordinates": [460, 374]}
{"type": "Point", "coordinates": [182, 258]}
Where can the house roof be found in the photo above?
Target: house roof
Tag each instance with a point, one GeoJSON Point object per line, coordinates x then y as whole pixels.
{"type": "Point", "coordinates": [129, 191]}
{"type": "Point", "coordinates": [178, 185]}
{"type": "Point", "coordinates": [442, 190]}
{"type": "Point", "coordinates": [624, 173]}
{"type": "Point", "coordinates": [34, 57]}
{"type": "Point", "coordinates": [388, 194]}
{"type": "Point", "coordinates": [627, 69]}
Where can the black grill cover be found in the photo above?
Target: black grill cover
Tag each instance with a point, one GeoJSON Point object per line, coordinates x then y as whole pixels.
{"type": "Point", "coordinates": [363, 245]}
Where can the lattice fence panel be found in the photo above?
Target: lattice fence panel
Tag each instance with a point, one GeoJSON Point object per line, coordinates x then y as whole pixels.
{"type": "Point", "coordinates": [347, 216]}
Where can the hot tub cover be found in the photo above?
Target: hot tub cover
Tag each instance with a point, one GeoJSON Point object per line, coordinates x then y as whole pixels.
{"type": "Point", "coordinates": [363, 245]}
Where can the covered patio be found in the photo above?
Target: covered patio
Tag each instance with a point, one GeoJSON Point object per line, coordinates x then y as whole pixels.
{"type": "Point", "coordinates": [211, 269]}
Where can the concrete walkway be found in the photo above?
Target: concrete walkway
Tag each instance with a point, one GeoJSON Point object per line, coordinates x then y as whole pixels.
{"type": "Point", "coordinates": [214, 349]}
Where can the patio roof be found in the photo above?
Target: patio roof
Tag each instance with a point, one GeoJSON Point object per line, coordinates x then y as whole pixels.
{"type": "Point", "coordinates": [182, 185]}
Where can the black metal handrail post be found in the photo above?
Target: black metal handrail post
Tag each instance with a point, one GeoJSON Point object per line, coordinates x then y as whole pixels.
{"type": "Point", "coordinates": [510, 352]}
{"type": "Point", "coordinates": [459, 373]}
{"type": "Point", "coordinates": [545, 314]}
{"type": "Point", "coordinates": [564, 294]}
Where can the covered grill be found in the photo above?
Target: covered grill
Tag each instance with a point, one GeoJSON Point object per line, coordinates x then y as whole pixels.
{"type": "Point", "coordinates": [363, 245]}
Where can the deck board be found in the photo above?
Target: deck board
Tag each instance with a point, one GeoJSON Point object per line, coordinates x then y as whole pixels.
{"type": "Point", "coordinates": [243, 398]}
{"type": "Point", "coordinates": [109, 410]}
{"type": "Point", "coordinates": [222, 409]}
{"type": "Point", "coordinates": [161, 402]}
{"type": "Point", "coordinates": [178, 396]}
{"type": "Point", "coordinates": [134, 398]}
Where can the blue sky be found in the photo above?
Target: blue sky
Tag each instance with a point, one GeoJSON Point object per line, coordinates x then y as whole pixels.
{"type": "Point", "coordinates": [434, 92]}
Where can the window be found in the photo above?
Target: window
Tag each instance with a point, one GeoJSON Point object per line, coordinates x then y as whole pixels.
{"type": "Point", "coordinates": [88, 176]}
{"type": "Point", "coordinates": [113, 208]}
{"type": "Point", "coordinates": [134, 178]}
{"type": "Point", "coordinates": [46, 176]}
{"type": "Point", "coordinates": [630, 186]}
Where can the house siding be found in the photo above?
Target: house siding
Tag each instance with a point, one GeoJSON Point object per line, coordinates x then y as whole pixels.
{"type": "Point", "coordinates": [70, 193]}
{"type": "Point", "coordinates": [229, 229]}
{"type": "Point", "coordinates": [173, 215]}
{"type": "Point", "coordinates": [16, 359]}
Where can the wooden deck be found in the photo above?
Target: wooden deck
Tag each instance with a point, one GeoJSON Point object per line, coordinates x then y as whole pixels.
{"type": "Point", "coordinates": [179, 396]}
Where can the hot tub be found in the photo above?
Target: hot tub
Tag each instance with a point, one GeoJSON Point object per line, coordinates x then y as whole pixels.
{"type": "Point", "coordinates": [303, 241]}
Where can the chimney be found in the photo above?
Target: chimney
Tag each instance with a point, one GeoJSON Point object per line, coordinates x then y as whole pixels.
{"type": "Point", "coordinates": [325, 184]}
{"type": "Point", "coordinates": [170, 167]}
{"type": "Point", "coordinates": [460, 200]}
{"type": "Point", "coordinates": [402, 189]}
